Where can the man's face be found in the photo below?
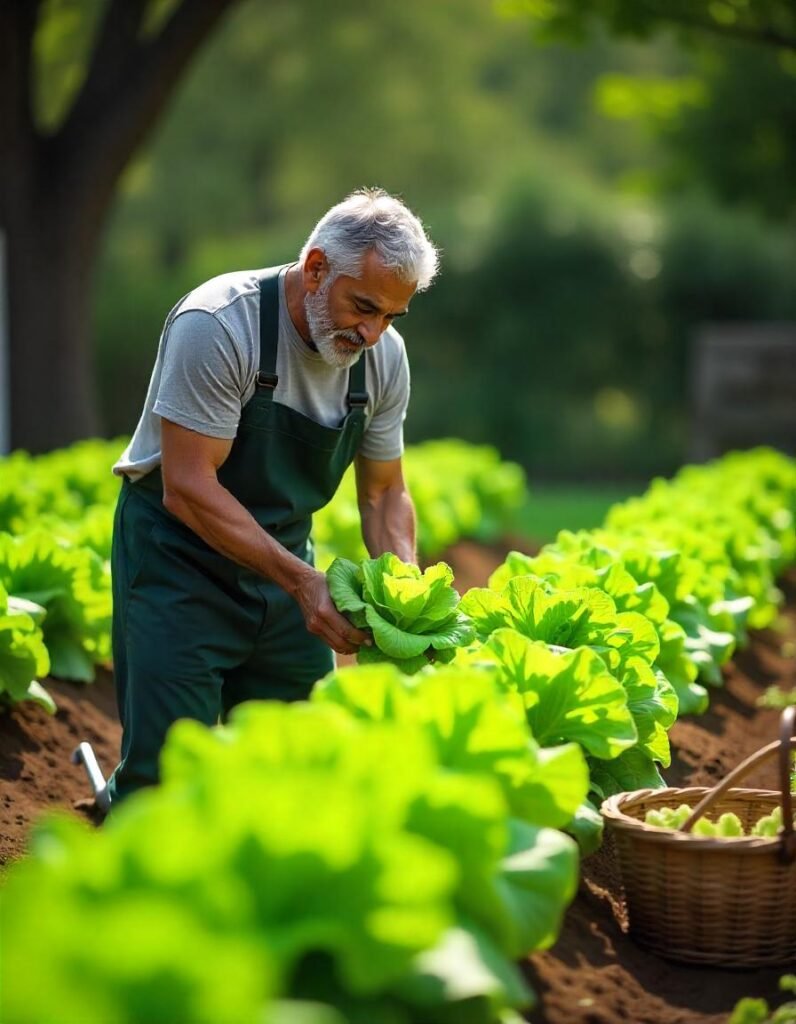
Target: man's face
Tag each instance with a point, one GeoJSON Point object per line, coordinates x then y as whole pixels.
{"type": "Point", "coordinates": [346, 315]}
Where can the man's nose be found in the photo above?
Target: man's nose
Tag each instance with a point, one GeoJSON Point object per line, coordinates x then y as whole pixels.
{"type": "Point", "coordinates": [371, 330]}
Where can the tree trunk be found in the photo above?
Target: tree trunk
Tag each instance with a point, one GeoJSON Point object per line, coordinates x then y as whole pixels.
{"type": "Point", "coordinates": [51, 247]}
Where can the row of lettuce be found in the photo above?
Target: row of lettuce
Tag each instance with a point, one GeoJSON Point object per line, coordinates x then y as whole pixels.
{"type": "Point", "coordinates": [56, 521]}
{"type": "Point", "coordinates": [388, 851]}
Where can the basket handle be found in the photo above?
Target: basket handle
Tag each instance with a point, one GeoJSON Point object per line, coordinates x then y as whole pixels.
{"type": "Point", "coordinates": [785, 743]}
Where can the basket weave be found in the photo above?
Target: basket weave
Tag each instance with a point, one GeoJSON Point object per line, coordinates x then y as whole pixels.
{"type": "Point", "coordinates": [729, 902]}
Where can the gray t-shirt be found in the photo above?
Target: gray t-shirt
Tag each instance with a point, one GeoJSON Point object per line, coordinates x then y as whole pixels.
{"type": "Point", "coordinates": [208, 358]}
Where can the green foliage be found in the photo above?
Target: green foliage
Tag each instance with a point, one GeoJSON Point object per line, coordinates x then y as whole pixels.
{"type": "Point", "coordinates": [751, 119]}
{"type": "Point", "coordinates": [388, 850]}
{"type": "Point", "coordinates": [734, 547]}
{"type": "Point", "coordinates": [778, 699]}
{"type": "Point", "coordinates": [568, 696]}
{"type": "Point", "coordinates": [68, 489]}
{"type": "Point", "coordinates": [767, 22]}
{"type": "Point", "coordinates": [56, 515]}
{"type": "Point", "coordinates": [476, 726]}
{"type": "Point", "coordinates": [564, 618]}
{"type": "Point", "coordinates": [73, 586]}
{"type": "Point", "coordinates": [661, 99]}
{"type": "Point", "coordinates": [730, 122]}
{"type": "Point", "coordinates": [698, 566]}
{"type": "Point", "coordinates": [592, 387]}
{"type": "Point", "coordinates": [350, 867]}
{"type": "Point", "coordinates": [587, 617]}
{"type": "Point", "coordinates": [61, 48]}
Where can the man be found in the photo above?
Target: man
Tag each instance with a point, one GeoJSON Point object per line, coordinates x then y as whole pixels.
{"type": "Point", "coordinates": [266, 386]}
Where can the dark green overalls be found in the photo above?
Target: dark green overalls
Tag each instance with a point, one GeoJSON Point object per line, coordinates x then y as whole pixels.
{"type": "Point", "coordinates": [194, 633]}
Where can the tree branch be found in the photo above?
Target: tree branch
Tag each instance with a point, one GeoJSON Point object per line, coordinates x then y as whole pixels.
{"type": "Point", "coordinates": [130, 80]}
{"type": "Point", "coordinates": [764, 34]}
{"type": "Point", "coordinates": [113, 51]}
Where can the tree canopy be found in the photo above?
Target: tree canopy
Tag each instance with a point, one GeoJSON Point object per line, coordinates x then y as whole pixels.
{"type": "Point", "coordinates": [769, 22]}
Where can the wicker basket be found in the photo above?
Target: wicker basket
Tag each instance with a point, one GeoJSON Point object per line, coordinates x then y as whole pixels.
{"type": "Point", "coordinates": [729, 902]}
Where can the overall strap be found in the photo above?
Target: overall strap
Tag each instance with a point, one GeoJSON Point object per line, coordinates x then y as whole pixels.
{"type": "Point", "coordinates": [357, 395]}
{"type": "Point", "coordinates": [269, 331]}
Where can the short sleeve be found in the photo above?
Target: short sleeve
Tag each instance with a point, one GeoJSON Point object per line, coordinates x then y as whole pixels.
{"type": "Point", "coordinates": [384, 437]}
{"type": "Point", "coordinates": [201, 383]}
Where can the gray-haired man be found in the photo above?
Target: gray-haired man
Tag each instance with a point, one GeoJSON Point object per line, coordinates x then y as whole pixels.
{"type": "Point", "coordinates": [266, 386]}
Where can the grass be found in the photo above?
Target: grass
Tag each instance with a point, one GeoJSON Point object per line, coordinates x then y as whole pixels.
{"type": "Point", "coordinates": [552, 507]}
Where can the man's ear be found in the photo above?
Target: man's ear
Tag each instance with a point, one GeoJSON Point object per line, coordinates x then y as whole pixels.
{"type": "Point", "coordinates": [315, 270]}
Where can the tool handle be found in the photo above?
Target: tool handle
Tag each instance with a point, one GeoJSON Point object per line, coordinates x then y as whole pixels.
{"type": "Point", "coordinates": [84, 753]}
{"type": "Point", "coordinates": [783, 746]}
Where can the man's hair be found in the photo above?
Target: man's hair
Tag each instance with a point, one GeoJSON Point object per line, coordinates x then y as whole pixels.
{"type": "Point", "coordinates": [371, 219]}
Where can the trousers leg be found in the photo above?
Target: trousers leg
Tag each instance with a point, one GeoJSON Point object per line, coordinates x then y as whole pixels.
{"type": "Point", "coordinates": [179, 626]}
{"type": "Point", "coordinates": [286, 661]}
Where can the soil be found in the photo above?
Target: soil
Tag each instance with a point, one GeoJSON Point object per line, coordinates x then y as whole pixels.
{"type": "Point", "coordinates": [595, 973]}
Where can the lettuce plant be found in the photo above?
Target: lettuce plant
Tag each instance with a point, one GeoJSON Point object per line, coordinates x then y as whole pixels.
{"type": "Point", "coordinates": [73, 585]}
{"type": "Point", "coordinates": [414, 616]}
{"type": "Point", "coordinates": [476, 725]}
{"type": "Point", "coordinates": [23, 655]}
{"type": "Point", "coordinates": [568, 696]}
{"type": "Point", "coordinates": [348, 867]}
{"type": "Point", "coordinates": [578, 560]}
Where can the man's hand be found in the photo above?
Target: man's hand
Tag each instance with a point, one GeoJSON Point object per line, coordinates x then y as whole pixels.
{"type": "Point", "coordinates": [323, 619]}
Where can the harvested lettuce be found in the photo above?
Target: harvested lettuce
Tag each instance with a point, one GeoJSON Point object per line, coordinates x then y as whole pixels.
{"type": "Point", "coordinates": [412, 614]}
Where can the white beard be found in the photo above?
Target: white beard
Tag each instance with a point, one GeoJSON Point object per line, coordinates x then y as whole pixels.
{"type": "Point", "coordinates": [325, 334]}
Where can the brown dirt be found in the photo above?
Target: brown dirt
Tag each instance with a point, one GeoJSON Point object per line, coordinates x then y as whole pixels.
{"type": "Point", "coordinates": [595, 973]}
{"type": "Point", "coordinates": [36, 773]}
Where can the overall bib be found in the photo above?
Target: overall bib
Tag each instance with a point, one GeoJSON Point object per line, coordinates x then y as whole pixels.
{"type": "Point", "coordinates": [194, 633]}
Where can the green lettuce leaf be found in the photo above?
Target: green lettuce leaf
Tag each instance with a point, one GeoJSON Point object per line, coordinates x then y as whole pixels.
{"type": "Point", "coordinates": [632, 770]}
{"type": "Point", "coordinates": [465, 966]}
{"type": "Point", "coordinates": [653, 704]}
{"type": "Point", "coordinates": [538, 881]}
{"type": "Point", "coordinates": [568, 696]}
{"type": "Point", "coordinates": [587, 827]}
{"type": "Point", "coordinates": [23, 656]}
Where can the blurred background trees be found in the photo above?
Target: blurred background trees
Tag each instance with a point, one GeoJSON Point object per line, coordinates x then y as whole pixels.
{"type": "Point", "coordinates": [600, 185]}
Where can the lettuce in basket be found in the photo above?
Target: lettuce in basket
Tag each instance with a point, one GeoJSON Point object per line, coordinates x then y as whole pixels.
{"type": "Point", "coordinates": [414, 616]}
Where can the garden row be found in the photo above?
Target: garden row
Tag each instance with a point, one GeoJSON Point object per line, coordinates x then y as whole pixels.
{"type": "Point", "coordinates": [56, 520]}
{"type": "Point", "coordinates": [387, 851]}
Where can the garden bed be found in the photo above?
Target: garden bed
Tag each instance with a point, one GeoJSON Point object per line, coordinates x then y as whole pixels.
{"type": "Point", "coordinates": [595, 974]}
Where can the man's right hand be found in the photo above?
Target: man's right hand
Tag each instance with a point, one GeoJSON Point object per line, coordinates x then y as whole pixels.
{"type": "Point", "coordinates": [323, 619]}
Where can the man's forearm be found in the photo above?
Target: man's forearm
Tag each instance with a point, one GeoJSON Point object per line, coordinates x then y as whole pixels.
{"type": "Point", "coordinates": [388, 524]}
{"type": "Point", "coordinates": [223, 523]}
